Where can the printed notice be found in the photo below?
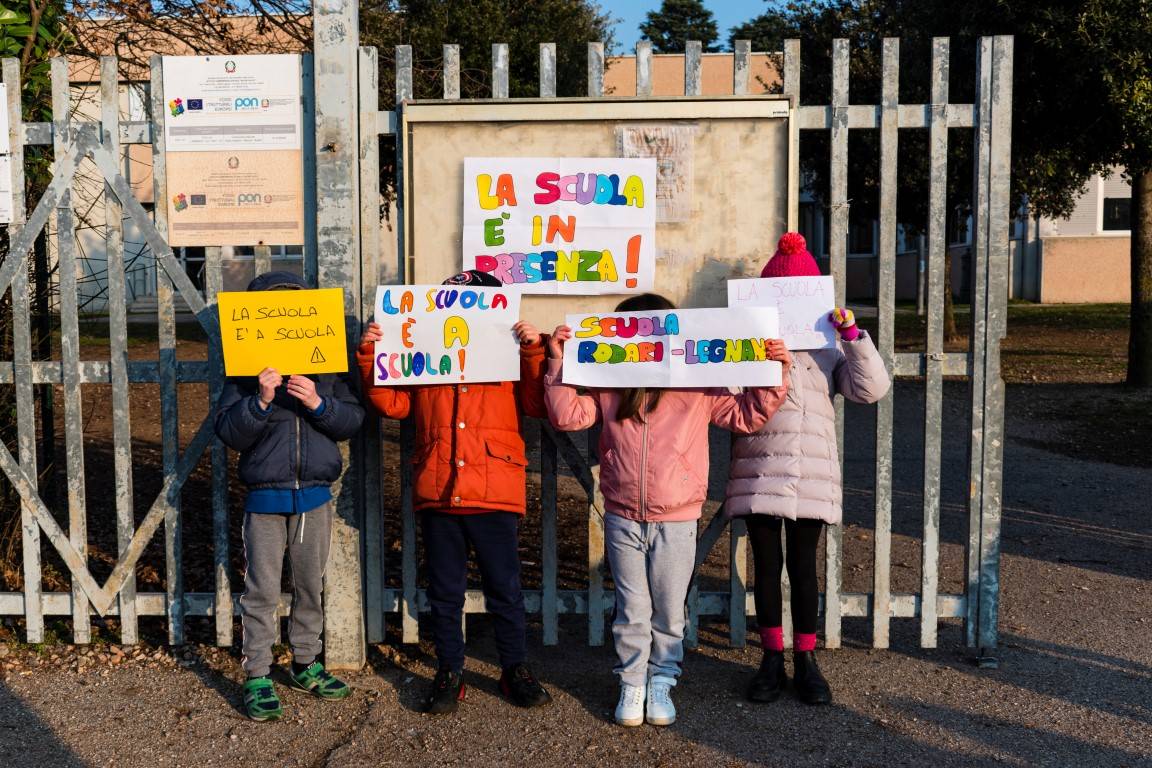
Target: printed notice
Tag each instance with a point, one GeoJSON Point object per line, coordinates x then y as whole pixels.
{"type": "Point", "coordinates": [291, 331]}
{"type": "Point", "coordinates": [226, 103]}
{"type": "Point", "coordinates": [235, 198]}
{"type": "Point", "coordinates": [5, 189]}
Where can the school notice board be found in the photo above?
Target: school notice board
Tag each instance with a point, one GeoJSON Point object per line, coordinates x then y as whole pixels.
{"type": "Point", "coordinates": [233, 149]}
{"type": "Point", "coordinates": [732, 201]}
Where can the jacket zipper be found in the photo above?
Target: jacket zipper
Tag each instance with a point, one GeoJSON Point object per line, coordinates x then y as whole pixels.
{"type": "Point", "coordinates": [644, 473]}
{"type": "Point", "coordinates": [298, 457]}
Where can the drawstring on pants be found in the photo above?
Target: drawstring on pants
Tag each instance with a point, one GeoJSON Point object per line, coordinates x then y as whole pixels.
{"type": "Point", "coordinates": [303, 518]}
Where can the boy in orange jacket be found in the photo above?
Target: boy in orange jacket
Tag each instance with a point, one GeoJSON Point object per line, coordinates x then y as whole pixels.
{"type": "Point", "coordinates": [470, 490]}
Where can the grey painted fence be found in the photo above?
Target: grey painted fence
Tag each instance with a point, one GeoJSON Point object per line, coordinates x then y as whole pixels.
{"type": "Point", "coordinates": [342, 161]}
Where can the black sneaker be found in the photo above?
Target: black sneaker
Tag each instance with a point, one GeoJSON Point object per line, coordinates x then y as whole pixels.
{"type": "Point", "coordinates": [770, 680]}
{"type": "Point", "coordinates": [521, 687]}
{"type": "Point", "coordinates": [446, 693]}
{"type": "Point", "coordinates": [810, 685]}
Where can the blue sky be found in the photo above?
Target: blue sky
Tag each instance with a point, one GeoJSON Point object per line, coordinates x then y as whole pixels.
{"type": "Point", "coordinates": [728, 13]}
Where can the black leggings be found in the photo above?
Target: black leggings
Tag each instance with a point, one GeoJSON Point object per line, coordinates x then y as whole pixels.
{"type": "Point", "coordinates": [768, 560]}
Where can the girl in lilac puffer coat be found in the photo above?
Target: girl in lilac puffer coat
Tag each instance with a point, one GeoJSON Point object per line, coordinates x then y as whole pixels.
{"type": "Point", "coordinates": [787, 475]}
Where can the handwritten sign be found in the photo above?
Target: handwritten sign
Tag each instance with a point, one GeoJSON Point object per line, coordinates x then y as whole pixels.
{"type": "Point", "coordinates": [562, 225]}
{"type": "Point", "coordinates": [804, 304]}
{"type": "Point", "coordinates": [291, 331]}
{"type": "Point", "coordinates": [446, 334]}
{"type": "Point", "coordinates": [677, 348]}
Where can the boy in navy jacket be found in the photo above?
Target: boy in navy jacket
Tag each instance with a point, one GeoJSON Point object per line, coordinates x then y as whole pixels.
{"type": "Point", "coordinates": [286, 430]}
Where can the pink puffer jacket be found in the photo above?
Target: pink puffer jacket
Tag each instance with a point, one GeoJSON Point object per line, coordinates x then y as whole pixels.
{"type": "Point", "coordinates": [790, 468]}
{"type": "Point", "coordinates": [657, 469]}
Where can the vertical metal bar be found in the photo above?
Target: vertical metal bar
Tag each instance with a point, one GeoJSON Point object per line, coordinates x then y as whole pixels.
{"type": "Point", "coordinates": [741, 67]}
{"type": "Point", "coordinates": [213, 284]}
{"type": "Point", "coordinates": [978, 341]}
{"type": "Point", "coordinates": [336, 25]}
{"type": "Point", "coordinates": [409, 610]}
{"type": "Point", "coordinates": [262, 258]}
{"type": "Point", "coordinates": [499, 70]}
{"type": "Point", "coordinates": [547, 70]}
{"type": "Point", "coordinates": [549, 611]}
{"type": "Point", "coordinates": [118, 345]}
{"type": "Point", "coordinates": [374, 551]}
{"type": "Point", "coordinates": [838, 251]}
{"type": "Point", "coordinates": [451, 54]}
{"type": "Point", "coordinates": [791, 88]}
{"type": "Point", "coordinates": [999, 181]}
{"type": "Point", "coordinates": [644, 68]}
{"type": "Point", "coordinates": [70, 349]}
{"type": "Point", "coordinates": [22, 362]}
{"type": "Point", "coordinates": [595, 547]}
{"type": "Point", "coordinates": [595, 70]}
{"type": "Point", "coordinates": [886, 316]}
{"type": "Point", "coordinates": [692, 65]}
{"type": "Point", "coordinates": [403, 88]}
{"type": "Point", "coordinates": [738, 584]}
{"type": "Point", "coordinates": [166, 342]}
{"type": "Point", "coordinates": [308, 93]}
{"type": "Point", "coordinates": [934, 366]}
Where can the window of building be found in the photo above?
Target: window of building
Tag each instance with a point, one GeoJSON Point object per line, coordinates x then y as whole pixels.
{"type": "Point", "coordinates": [1117, 214]}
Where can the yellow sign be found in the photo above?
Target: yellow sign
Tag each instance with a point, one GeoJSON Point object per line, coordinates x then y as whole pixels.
{"type": "Point", "coordinates": [291, 331]}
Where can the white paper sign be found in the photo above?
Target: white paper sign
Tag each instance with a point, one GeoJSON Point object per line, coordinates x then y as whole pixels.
{"type": "Point", "coordinates": [446, 334]}
{"type": "Point", "coordinates": [567, 225]}
{"type": "Point", "coordinates": [804, 304]}
{"type": "Point", "coordinates": [228, 103]}
{"type": "Point", "coordinates": [5, 189]}
{"type": "Point", "coordinates": [5, 144]}
{"type": "Point", "coordinates": [676, 348]}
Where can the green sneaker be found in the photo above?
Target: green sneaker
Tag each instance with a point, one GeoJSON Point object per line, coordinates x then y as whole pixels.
{"type": "Point", "coordinates": [260, 700]}
{"type": "Point", "coordinates": [319, 682]}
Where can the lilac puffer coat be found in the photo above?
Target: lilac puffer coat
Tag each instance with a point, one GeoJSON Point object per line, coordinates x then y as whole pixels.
{"type": "Point", "coordinates": [790, 468]}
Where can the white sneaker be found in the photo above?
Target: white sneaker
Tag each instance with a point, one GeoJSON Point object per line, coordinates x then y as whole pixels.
{"type": "Point", "coordinates": [630, 709]}
{"type": "Point", "coordinates": [661, 710]}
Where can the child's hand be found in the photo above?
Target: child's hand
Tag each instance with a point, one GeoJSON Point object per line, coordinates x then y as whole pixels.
{"type": "Point", "coordinates": [778, 351]}
{"type": "Point", "coordinates": [304, 389]}
{"type": "Point", "coordinates": [845, 321]}
{"type": "Point", "coordinates": [528, 334]}
{"type": "Point", "coordinates": [372, 334]}
{"type": "Point", "coordinates": [269, 379]}
{"type": "Point", "coordinates": [557, 339]}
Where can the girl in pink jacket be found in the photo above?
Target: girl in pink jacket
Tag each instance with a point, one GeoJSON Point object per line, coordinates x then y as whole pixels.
{"type": "Point", "coordinates": [654, 477]}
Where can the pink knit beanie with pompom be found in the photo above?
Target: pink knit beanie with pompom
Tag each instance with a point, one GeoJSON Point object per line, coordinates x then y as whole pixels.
{"type": "Point", "coordinates": [791, 259]}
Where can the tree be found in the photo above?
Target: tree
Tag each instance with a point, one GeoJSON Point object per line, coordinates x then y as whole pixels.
{"type": "Point", "coordinates": [1082, 82]}
{"type": "Point", "coordinates": [677, 22]}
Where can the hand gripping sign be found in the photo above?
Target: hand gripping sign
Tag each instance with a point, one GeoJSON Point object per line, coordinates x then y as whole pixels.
{"type": "Point", "coordinates": [446, 334]}
{"type": "Point", "coordinates": [675, 348]}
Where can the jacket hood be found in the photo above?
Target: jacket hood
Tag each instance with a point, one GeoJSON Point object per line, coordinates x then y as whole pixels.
{"type": "Point", "coordinates": [281, 279]}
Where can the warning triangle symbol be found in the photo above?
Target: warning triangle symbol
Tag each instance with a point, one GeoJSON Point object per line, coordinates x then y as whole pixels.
{"type": "Point", "coordinates": [317, 357]}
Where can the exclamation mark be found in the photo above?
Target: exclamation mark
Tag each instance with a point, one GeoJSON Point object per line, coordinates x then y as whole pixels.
{"type": "Point", "coordinates": [460, 354]}
{"type": "Point", "coordinates": [633, 262]}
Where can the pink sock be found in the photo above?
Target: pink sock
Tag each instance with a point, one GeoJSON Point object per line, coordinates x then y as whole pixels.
{"type": "Point", "coordinates": [772, 638]}
{"type": "Point", "coordinates": [804, 642]}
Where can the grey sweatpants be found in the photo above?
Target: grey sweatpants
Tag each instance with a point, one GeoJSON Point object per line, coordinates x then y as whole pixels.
{"type": "Point", "coordinates": [307, 538]}
{"type": "Point", "coordinates": [652, 567]}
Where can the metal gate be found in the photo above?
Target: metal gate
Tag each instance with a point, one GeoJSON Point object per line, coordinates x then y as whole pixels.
{"type": "Point", "coordinates": [343, 251]}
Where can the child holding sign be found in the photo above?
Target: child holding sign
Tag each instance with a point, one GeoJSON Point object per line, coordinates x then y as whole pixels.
{"type": "Point", "coordinates": [788, 475]}
{"type": "Point", "coordinates": [654, 476]}
{"type": "Point", "coordinates": [286, 430]}
{"type": "Point", "coordinates": [469, 488]}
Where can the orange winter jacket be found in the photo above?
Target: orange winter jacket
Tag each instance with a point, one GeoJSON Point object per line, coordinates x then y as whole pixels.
{"type": "Point", "coordinates": [469, 456]}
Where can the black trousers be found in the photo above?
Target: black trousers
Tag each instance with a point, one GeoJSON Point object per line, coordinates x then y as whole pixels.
{"type": "Point", "coordinates": [768, 560]}
{"type": "Point", "coordinates": [494, 537]}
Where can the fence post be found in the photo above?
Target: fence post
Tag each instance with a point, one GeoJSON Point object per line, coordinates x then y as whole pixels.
{"type": "Point", "coordinates": [336, 25]}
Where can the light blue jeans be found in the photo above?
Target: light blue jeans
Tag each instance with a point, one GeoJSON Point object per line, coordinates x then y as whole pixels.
{"type": "Point", "coordinates": [652, 567]}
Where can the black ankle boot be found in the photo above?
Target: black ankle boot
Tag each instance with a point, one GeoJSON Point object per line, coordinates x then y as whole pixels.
{"type": "Point", "coordinates": [810, 685]}
{"type": "Point", "coordinates": [770, 680]}
{"type": "Point", "coordinates": [446, 693]}
{"type": "Point", "coordinates": [521, 687]}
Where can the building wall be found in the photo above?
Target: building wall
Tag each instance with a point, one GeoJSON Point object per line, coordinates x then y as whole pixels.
{"type": "Point", "coordinates": [716, 73]}
{"type": "Point", "coordinates": [1075, 270]}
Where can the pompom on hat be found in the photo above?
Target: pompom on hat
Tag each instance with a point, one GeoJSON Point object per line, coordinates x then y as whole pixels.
{"type": "Point", "coordinates": [791, 259]}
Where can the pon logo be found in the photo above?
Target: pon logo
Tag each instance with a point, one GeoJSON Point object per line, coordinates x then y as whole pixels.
{"type": "Point", "coordinates": [249, 198]}
{"type": "Point", "coordinates": [176, 107]}
{"type": "Point", "coordinates": [245, 103]}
